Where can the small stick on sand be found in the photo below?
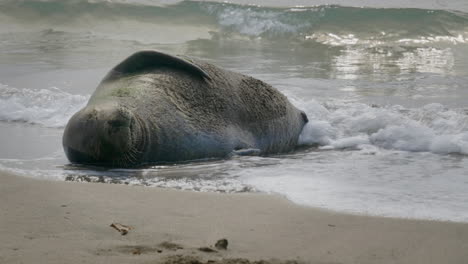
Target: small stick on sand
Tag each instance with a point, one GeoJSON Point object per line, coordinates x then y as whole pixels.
{"type": "Point", "coordinates": [123, 229]}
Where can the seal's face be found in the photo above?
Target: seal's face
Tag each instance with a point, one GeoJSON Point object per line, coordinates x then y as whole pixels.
{"type": "Point", "coordinates": [104, 135]}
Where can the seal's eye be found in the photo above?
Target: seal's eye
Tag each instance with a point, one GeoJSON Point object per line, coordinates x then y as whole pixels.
{"type": "Point", "coordinates": [118, 123]}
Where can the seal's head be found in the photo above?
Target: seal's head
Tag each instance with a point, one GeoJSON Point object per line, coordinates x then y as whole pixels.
{"type": "Point", "coordinates": [106, 135]}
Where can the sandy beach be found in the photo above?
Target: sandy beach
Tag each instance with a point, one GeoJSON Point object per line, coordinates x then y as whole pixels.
{"type": "Point", "coordinates": [69, 222]}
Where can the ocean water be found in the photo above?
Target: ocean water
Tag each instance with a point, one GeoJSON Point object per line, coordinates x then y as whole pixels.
{"type": "Point", "coordinates": [385, 87]}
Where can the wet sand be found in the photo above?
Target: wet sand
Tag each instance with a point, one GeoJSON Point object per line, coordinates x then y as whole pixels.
{"type": "Point", "coordinates": [69, 222]}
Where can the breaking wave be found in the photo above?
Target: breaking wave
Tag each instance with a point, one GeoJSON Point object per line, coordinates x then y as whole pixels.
{"type": "Point", "coordinates": [331, 25]}
{"type": "Point", "coordinates": [47, 107]}
{"type": "Point", "coordinates": [431, 128]}
{"type": "Point", "coordinates": [333, 124]}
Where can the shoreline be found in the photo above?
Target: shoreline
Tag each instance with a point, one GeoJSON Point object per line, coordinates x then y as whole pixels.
{"type": "Point", "coordinates": [68, 222]}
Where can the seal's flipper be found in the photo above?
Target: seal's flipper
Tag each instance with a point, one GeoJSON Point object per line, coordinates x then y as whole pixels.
{"type": "Point", "coordinates": [304, 117]}
{"type": "Point", "coordinates": [246, 152]}
{"type": "Point", "coordinates": [147, 60]}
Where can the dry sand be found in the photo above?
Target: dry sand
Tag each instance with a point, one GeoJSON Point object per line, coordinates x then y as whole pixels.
{"type": "Point", "coordinates": [69, 222]}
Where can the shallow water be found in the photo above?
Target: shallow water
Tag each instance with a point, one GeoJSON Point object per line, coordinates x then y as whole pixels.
{"type": "Point", "coordinates": [384, 86]}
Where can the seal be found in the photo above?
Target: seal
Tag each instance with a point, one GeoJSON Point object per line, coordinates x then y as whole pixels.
{"type": "Point", "coordinates": [155, 108]}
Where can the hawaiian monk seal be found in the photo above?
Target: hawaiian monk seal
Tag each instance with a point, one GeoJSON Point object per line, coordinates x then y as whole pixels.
{"type": "Point", "coordinates": [154, 107]}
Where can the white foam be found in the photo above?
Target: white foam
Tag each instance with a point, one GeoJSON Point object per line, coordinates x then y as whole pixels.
{"type": "Point", "coordinates": [446, 144]}
{"type": "Point", "coordinates": [350, 142]}
{"type": "Point", "coordinates": [347, 39]}
{"type": "Point", "coordinates": [224, 185]}
{"type": "Point", "coordinates": [47, 107]}
{"type": "Point", "coordinates": [409, 137]}
{"type": "Point", "coordinates": [317, 132]}
{"type": "Point", "coordinates": [431, 128]}
{"type": "Point", "coordinates": [255, 22]}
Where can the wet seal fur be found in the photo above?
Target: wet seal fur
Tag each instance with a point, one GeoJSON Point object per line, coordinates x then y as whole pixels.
{"type": "Point", "coordinates": [154, 107]}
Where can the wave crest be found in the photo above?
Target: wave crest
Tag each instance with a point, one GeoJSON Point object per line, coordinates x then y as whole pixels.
{"type": "Point", "coordinates": [47, 107]}
{"type": "Point", "coordinates": [323, 24]}
{"type": "Point", "coordinates": [432, 128]}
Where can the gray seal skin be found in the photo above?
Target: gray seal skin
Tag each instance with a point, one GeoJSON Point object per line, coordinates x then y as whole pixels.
{"type": "Point", "coordinates": [154, 107]}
